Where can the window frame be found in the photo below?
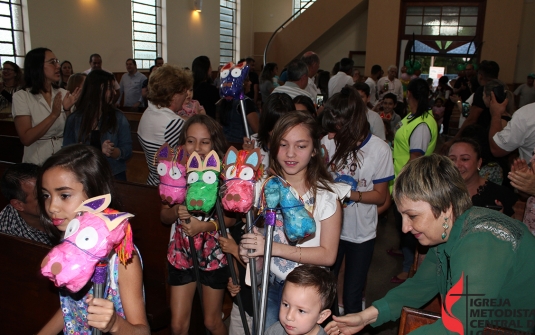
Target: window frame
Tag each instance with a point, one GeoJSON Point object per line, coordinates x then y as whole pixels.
{"type": "Point", "coordinates": [18, 45]}
{"type": "Point", "coordinates": [144, 63]}
{"type": "Point", "coordinates": [224, 55]}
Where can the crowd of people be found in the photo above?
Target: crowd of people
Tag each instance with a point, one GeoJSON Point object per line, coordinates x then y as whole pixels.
{"type": "Point", "coordinates": [350, 149]}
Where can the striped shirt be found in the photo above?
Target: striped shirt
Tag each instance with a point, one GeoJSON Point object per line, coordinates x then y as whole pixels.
{"type": "Point", "coordinates": [157, 126]}
{"type": "Point", "coordinates": [12, 224]}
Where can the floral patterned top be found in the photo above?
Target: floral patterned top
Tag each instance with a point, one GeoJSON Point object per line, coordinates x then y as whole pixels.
{"type": "Point", "coordinates": [209, 253]}
{"type": "Point", "coordinates": [74, 307]}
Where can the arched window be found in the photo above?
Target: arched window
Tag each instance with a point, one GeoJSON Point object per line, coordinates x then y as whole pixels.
{"type": "Point", "coordinates": [146, 31]}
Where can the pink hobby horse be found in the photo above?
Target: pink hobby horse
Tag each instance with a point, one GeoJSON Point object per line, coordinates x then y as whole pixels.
{"type": "Point", "coordinates": [88, 239]}
{"type": "Point", "coordinates": [240, 173]}
{"type": "Point", "coordinates": [172, 171]}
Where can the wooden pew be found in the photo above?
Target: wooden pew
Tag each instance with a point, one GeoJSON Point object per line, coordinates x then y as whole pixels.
{"type": "Point", "coordinates": [412, 318]}
{"type": "Point", "coordinates": [12, 148]}
{"type": "Point", "coordinates": [29, 300]}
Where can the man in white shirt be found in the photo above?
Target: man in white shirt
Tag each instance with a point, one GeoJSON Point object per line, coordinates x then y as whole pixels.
{"type": "Point", "coordinates": [343, 77]}
{"type": "Point", "coordinates": [131, 83]}
{"type": "Point", "coordinates": [297, 80]}
{"type": "Point", "coordinates": [312, 61]}
{"type": "Point", "coordinates": [390, 84]}
{"type": "Point", "coordinates": [526, 91]}
{"type": "Point", "coordinates": [377, 72]}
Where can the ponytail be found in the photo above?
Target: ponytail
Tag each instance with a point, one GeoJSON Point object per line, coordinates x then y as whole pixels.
{"type": "Point", "coordinates": [420, 91]}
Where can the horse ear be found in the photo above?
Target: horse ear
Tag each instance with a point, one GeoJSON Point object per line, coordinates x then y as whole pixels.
{"type": "Point", "coordinates": [163, 154]}
{"type": "Point", "coordinates": [182, 156]}
{"type": "Point", "coordinates": [194, 163]}
{"type": "Point", "coordinates": [253, 158]}
{"type": "Point", "coordinates": [231, 156]}
{"type": "Point", "coordinates": [212, 162]}
{"type": "Point", "coordinates": [112, 220]}
{"type": "Point", "coordinates": [95, 205]}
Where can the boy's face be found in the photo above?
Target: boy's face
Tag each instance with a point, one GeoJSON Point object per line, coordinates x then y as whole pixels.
{"type": "Point", "coordinates": [388, 105]}
{"type": "Point", "coordinates": [300, 311]}
{"type": "Point", "coordinates": [364, 97]}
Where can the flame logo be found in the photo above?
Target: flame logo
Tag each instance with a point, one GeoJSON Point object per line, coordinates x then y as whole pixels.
{"type": "Point", "coordinates": [450, 321]}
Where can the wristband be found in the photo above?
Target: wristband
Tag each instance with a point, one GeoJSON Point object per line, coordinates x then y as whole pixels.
{"type": "Point", "coordinates": [215, 224]}
{"type": "Point", "coordinates": [360, 196]}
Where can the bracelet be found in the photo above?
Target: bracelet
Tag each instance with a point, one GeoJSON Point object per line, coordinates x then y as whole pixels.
{"type": "Point", "coordinates": [215, 224]}
{"type": "Point", "coordinates": [360, 196]}
{"type": "Point", "coordinates": [299, 253]}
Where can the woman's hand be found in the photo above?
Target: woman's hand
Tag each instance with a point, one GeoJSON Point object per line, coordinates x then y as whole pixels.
{"type": "Point", "coordinates": [70, 99]}
{"type": "Point", "coordinates": [347, 325]}
{"type": "Point", "coordinates": [228, 245]}
{"type": "Point", "coordinates": [233, 289]}
{"type": "Point", "coordinates": [101, 314]}
{"type": "Point", "coordinates": [107, 148]}
{"type": "Point", "coordinates": [523, 180]}
{"type": "Point", "coordinates": [56, 106]}
{"type": "Point", "coordinates": [254, 241]}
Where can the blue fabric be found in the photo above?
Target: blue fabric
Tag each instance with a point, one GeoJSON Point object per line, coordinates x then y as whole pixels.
{"type": "Point", "coordinates": [121, 138]}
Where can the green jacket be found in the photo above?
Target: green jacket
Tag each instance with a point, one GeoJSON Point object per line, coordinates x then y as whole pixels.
{"type": "Point", "coordinates": [495, 255]}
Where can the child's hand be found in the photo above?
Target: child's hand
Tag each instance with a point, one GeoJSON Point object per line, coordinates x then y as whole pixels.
{"type": "Point", "coordinates": [233, 289]}
{"type": "Point", "coordinates": [254, 241]}
{"type": "Point", "coordinates": [101, 314]}
{"type": "Point", "coordinates": [229, 246]}
{"type": "Point", "coordinates": [192, 228]}
{"type": "Point", "coordinates": [183, 213]}
{"type": "Point", "coordinates": [107, 148]}
{"type": "Point", "coordinates": [248, 144]}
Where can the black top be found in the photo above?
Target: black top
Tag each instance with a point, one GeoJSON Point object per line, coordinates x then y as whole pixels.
{"type": "Point", "coordinates": [484, 117]}
{"type": "Point", "coordinates": [489, 192]}
{"type": "Point", "coordinates": [207, 95]}
{"type": "Point", "coordinates": [245, 292]}
{"type": "Point", "coordinates": [253, 77]}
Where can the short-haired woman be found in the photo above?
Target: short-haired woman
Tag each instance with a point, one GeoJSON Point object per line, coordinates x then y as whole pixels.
{"type": "Point", "coordinates": [472, 247]}
{"type": "Point", "coordinates": [168, 88]}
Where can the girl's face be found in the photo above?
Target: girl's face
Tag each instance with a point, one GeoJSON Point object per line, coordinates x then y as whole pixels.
{"type": "Point", "coordinates": [63, 193]}
{"type": "Point", "coordinates": [198, 139]}
{"type": "Point", "coordinates": [66, 69]}
{"type": "Point", "coordinates": [465, 159]}
{"type": "Point", "coordinates": [295, 150]}
{"type": "Point", "coordinates": [51, 67]}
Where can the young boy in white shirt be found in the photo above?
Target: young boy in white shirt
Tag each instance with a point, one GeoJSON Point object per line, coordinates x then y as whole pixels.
{"type": "Point", "coordinates": [307, 295]}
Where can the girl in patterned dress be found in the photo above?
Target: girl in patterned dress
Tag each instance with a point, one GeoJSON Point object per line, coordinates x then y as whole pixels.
{"type": "Point", "coordinates": [296, 156]}
{"type": "Point", "coordinates": [201, 134]}
{"type": "Point", "coordinates": [71, 176]}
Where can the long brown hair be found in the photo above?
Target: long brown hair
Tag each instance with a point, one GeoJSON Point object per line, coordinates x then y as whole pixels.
{"type": "Point", "coordinates": [217, 137]}
{"type": "Point", "coordinates": [345, 115]}
{"type": "Point", "coordinates": [316, 175]}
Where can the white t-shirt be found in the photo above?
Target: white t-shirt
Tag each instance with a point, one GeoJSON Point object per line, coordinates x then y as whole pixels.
{"type": "Point", "coordinates": [324, 207]}
{"type": "Point", "coordinates": [519, 133]}
{"type": "Point", "coordinates": [394, 86]}
{"type": "Point", "coordinates": [375, 166]}
{"type": "Point", "coordinates": [373, 90]}
{"type": "Point", "coordinates": [339, 81]}
{"type": "Point", "coordinates": [377, 126]}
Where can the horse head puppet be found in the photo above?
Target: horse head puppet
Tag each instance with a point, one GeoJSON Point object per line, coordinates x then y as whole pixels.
{"type": "Point", "coordinates": [203, 182]}
{"type": "Point", "coordinates": [240, 174]}
{"type": "Point", "coordinates": [172, 171]}
{"type": "Point", "coordinates": [232, 79]}
{"type": "Point", "coordinates": [89, 238]}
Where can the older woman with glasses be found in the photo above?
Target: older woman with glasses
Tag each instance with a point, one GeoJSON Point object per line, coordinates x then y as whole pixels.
{"type": "Point", "coordinates": [40, 110]}
{"type": "Point", "coordinates": [11, 82]}
{"type": "Point", "coordinates": [470, 247]}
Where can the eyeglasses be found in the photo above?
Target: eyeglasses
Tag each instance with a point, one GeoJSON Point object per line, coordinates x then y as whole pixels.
{"type": "Point", "coordinates": [8, 69]}
{"type": "Point", "coordinates": [52, 61]}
